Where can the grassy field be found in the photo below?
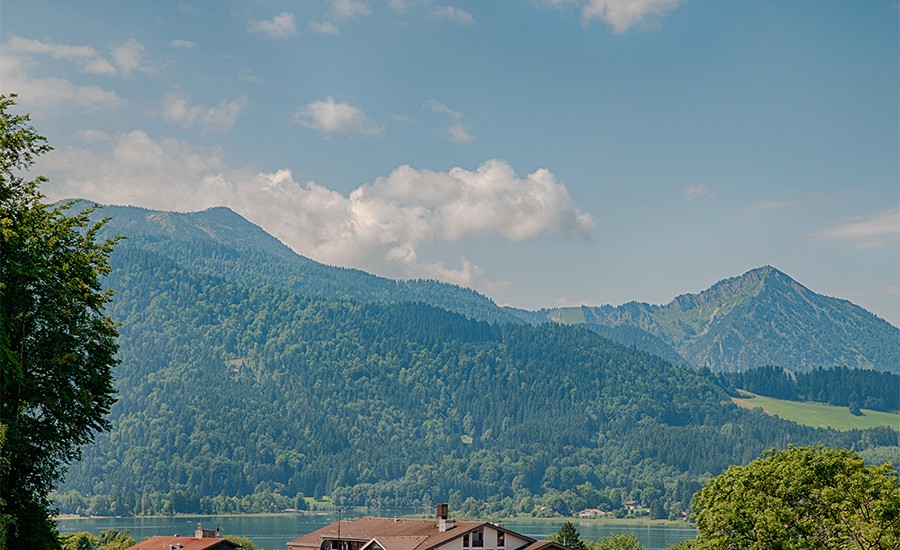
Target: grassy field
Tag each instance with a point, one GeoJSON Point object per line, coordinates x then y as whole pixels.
{"type": "Point", "coordinates": [818, 414]}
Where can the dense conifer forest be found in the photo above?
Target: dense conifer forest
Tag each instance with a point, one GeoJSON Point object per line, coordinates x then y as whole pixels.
{"type": "Point", "coordinates": [879, 391]}
{"type": "Point", "coordinates": [248, 382]}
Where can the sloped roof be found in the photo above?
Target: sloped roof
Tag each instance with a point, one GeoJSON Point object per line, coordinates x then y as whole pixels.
{"type": "Point", "coordinates": [545, 545]}
{"type": "Point", "coordinates": [392, 533]}
{"type": "Point", "coordinates": [187, 543]}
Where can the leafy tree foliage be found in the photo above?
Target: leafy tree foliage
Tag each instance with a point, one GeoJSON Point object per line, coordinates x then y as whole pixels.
{"type": "Point", "coordinates": [569, 537]}
{"type": "Point", "coordinates": [56, 345]}
{"type": "Point", "coordinates": [82, 540]}
{"type": "Point", "coordinates": [109, 539]}
{"type": "Point", "coordinates": [622, 541]}
{"type": "Point", "coordinates": [243, 542]}
{"type": "Point", "coordinates": [801, 497]}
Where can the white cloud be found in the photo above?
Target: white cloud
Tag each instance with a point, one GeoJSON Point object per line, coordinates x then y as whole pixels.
{"type": "Point", "coordinates": [441, 109]}
{"type": "Point", "coordinates": [381, 227]}
{"type": "Point", "coordinates": [51, 95]}
{"type": "Point", "coordinates": [331, 117]}
{"type": "Point", "coordinates": [695, 192]}
{"type": "Point", "coordinates": [453, 14]}
{"type": "Point", "coordinates": [325, 27]}
{"type": "Point", "coordinates": [93, 136]}
{"type": "Point", "coordinates": [100, 66]}
{"type": "Point", "coordinates": [127, 58]}
{"type": "Point", "coordinates": [130, 57]}
{"type": "Point", "coordinates": [220, 118]}
{"type": "Point", "coordinates": [247, 75]}
{"type": "Point", "coordinates": [183, 44]}
{"type": "Point", "coordinates": [280, 26]}
{"type": "Point", "coordinates": [57, 51]}
{"type": "Point", "coordinates": [458, 134]}
{"type": "Point", "coordinates": [622, 15]}
{"type": "Point", "coordinates": [86, 57]}
{"type": "Point", "coordinates": [806, 199]}
{"type": "Point", "coordinates": [347, 9]}
{"type": "Point", "coordinates": [877, 231]}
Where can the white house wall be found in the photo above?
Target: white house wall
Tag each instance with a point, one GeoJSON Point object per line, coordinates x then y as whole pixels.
{"type": "Point", "coordinates": [490, 542]}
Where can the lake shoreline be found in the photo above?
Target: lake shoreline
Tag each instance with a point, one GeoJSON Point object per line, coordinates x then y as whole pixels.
{"type": "Point", "coordinates": [500, 520]}
{"type": "Point", "coordinates": [274, 530]}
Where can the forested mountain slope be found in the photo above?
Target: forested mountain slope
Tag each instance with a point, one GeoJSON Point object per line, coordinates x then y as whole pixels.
{"type": "Point", "coordinates": [221, 243]}
{"type": "Point", "coordinates": [760, 318]}
{"type": "Point", "coordinates": [241, 376]}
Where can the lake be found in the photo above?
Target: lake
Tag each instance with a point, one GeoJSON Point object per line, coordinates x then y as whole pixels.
{"type": "Point", "coordinates": [273, 532]}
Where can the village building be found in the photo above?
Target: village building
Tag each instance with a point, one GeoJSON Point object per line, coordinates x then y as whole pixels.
{"type": "Point", "coordinates": [441, 533]}
{"type": "Point", "coordinates": [203, 539]}
{"type": "Point", "coordinates": [591, 513]}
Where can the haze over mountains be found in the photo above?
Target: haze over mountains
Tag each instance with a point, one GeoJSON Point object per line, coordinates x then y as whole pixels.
{"type": "Point", "coordinates": [762, 317]}
{"type": "Point", "coordinates": [251, 376]}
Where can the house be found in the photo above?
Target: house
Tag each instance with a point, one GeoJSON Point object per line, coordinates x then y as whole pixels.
{"type": "Point", "coordinates": [441, 533]}
{"type": "Point", "coordinates": [203, 539]}
{"type": "Point", "coordinates": [632, 505]}
{"type": "Point", "coordinates": [591, 513]}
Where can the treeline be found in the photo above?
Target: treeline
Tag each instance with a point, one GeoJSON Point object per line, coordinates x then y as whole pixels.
{"type": "Point", "coordinates": [246, 397]}
{"type": "Point", "coordinates": [127, 502]}
{"type": "Point", "coordinates": [869, 389]}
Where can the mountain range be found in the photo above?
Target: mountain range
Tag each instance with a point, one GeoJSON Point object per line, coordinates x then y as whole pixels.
{"type": "Point", "coordinates": [760, 318]}
{"type": "Point", "coordinates": [251, 376]}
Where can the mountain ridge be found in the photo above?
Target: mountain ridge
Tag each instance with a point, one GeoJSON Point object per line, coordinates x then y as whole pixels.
{"type": "Point", "coordinates": [247, 383]}
{"type": "Point", "coordinates": [759, 318]}
{"type": "Point", "coordinates": [763, 317]}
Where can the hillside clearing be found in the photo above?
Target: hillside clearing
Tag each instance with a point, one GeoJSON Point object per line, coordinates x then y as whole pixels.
{"type": "Point", "coordinates": [817, 414]}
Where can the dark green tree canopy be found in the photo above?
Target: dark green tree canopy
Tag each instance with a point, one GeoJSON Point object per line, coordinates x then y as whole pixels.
{"type": "Point", "coordinates": [569, 537]}
{"type": "Point", "coordinates": [801, 497]}
{"type": "Point", "coordinates": [57, 346]}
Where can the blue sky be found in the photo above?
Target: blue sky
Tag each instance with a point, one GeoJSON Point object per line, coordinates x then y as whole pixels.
{"type": "Point", "coordinates": [552, 152]}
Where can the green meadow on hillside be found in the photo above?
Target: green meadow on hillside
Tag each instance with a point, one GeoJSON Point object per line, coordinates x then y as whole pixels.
{"type": "Point", "coordinates": [818, 414]}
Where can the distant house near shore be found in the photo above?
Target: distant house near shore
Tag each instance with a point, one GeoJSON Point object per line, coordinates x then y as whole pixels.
{"type": "Point", "coordinates": [591, 513]}
{"type": "Point", "coordinates": [203, 539]}
{"type": "Point", "coordinates": [441, 533]}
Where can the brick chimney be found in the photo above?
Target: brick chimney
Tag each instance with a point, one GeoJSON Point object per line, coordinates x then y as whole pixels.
{"type": "Point", "coordinates": [202, 533]}
{"type": "Point", "coordinates": [444, 524]}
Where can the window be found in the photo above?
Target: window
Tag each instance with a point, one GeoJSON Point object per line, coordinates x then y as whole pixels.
{"type": "Point", "coordinates": [478, 538]}
{"type": "Point", "coordinates": [501, 539]}
{"type": "Point", "coordinates": [466, 540]}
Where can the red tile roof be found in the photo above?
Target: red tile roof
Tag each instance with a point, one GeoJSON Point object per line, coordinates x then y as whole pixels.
{"type": "Point", "coordinates": [391, 534]}
{"type": "Point", "coordinates": [183, 543]}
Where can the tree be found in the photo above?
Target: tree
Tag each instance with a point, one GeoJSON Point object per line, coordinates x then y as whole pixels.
{"type": "Point", "coordinates": [569, 537]}
{"type": "Point", "coordinates": [801, 497]}
{"type": "Point", "coordinates": [82, 540]}
{"type": "Point", "coordinates": [621, 541]}
{"type": "Point", "coordinates": [112, 539]}
{"type": "Point", "coordinates": [57, 348]}
{"type": "Point", "coordinates": [243, 542]}
{"type": "Point", "coordinates": [109, 539]}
